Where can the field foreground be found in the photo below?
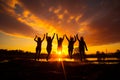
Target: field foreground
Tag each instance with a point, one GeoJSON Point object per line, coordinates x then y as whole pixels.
{"type": "Point", "coordinates": [57, 70]}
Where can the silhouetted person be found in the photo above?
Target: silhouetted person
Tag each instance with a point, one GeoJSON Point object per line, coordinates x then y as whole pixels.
{"type": "Point", "coordinates": [38, 47]}
{"type": "Point", "coordinates": [60, 41]}
{"type": "Point", "coordinates": [71, 41]}
{"type": "Point", "coordinates": [49, 44]}
{"type": "Point", "coordinates": [82, 47]}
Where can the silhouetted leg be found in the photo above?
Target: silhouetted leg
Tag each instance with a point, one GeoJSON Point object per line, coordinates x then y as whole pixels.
{"type": "Point", "coordinates": [70, 54]}
{"type": "Point", "coordinates": [38, 55]}
{"type": "Point", "coordinates": [80, 55]}
{"type": "Point", "coordinates": [84, 56]}
{"type": "Point", "coordinates": [49, 51]}
{"type": "Point", "coordinates": [35, 56]}
{"type": "Point", "coordinates": [48, 56]}
{"type": "Point", "coordinates": [69, 51]}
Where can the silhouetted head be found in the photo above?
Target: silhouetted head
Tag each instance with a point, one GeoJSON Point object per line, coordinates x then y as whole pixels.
{"type": "Point", "coordinates": [49, 38]}
{"type": "Point", "coordinates": [60, 38]}
{"type": "Point", "coordinates": [81, 38]}
{"type": "Point", "coordinates": [39, 39]}
{"type": "Point", "coordinates": [71, 38]}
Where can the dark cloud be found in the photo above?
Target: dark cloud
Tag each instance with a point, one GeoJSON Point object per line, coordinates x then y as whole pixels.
{"type": "Point", "coordinates": [10, 25]}
{"type": "Point", "coordinates": [107, 25]}
{"type": "Point", "coordinates": [18, 9]}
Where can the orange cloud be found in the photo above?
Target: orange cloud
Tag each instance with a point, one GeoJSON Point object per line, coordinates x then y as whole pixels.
{"type": "Point", "coordinates": [56, 11]}
{"type": "Point", "coordinates": [77, 18]}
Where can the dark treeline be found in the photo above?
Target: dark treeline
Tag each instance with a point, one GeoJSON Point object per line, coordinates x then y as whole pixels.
{"type": "Point", "coordinates": [13, 54]}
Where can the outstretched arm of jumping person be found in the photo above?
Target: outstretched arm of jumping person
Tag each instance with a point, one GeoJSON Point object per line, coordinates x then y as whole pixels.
{"type": "Point", "coordinates": [63, 37]}
{"type": "Point", "coordinates": [35, 38]}
{"type": "Point", "coordinates": [86, 46]}
{"type": "Point", "coordinates": [77, 37]}
{"type": "Point", "coordinates": [46, 35]}
{"type": "Point", "coordinates": [67, 37]}
{"type": "Point", "coordinates": [53, 36]}
{"type": "Point", "coordinates": [57, 36]}
{"type": "Point", "coordinates": [43, 37]}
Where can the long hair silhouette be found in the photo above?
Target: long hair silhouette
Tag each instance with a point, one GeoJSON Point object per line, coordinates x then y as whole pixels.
{"type": "Point", "coordinates": [82, 47]}
{"type": "Point", "coordinates": [60, 41]}
{"type": "Point", "coordinates": [38, 47]}
{"type": "Point", "coordinates": [49, 44]}
{"type": "Point", "coordinates": [71, 42]}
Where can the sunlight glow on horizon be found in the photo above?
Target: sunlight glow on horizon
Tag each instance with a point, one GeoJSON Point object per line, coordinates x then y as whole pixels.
{"type": "Point", "coordinates": [28, 44]}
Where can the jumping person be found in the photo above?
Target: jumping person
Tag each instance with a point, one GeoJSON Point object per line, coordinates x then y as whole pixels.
{"type": "Point", "coordinates": [71, 41]}
{"type": "Point", "coordinates": [49, 44]}
{"type": "Point", "coordinates": [60, 41]}
{"type": "Point", "coordinates": [38, 47]}
{"type": "Point", "coordinates": [82, 47]}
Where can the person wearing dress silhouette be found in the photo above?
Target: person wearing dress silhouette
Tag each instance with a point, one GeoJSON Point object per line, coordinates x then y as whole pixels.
{"type": "Point", "coordinates": [82, 47]}
{"type": "Point", "coordinates": [71, 42]}
{"type": "Point", "coordinates": [38, 47]}
{"type": "Point", "coordinates": [49, 44]}
{"type": "Point", "coordinates": [60, 41]}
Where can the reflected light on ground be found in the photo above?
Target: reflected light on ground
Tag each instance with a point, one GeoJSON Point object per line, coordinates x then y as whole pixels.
{"type": "Point", "coordinates": [59, 52]}
{"type": "Point", "coordinates": [59, 56]}
{"type": "Point", "coordinates": [59, 59]}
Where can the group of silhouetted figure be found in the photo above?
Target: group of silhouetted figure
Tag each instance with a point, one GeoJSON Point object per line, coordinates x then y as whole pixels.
{"type": "Point", "coordinates": [71, 41]}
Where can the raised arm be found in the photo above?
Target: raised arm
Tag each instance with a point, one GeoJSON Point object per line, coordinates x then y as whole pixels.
{"type": "Point", "coordinates": [35, 38]}
{"type": "Point", "coordinates": [43, 38]}
{"type": "Point", "coordinates": [63, 37]}
{"type": "Point", "coordinates": [67, 37]}
{"type": "Point", "coordinates": [57, 36]}
{"type": "Point", "coordinates": [46, 35]}
{"type": "Point", "coordinates": [53, 36]}
{"type": "Point", "coordinates": [77, 37]}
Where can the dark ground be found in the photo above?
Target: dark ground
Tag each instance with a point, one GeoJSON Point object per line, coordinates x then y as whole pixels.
{"type": "Point", "coordinates": [36, 70]}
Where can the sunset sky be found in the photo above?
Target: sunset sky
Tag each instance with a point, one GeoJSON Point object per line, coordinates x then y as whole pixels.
{"type": "Point", "coordinates": [98, 21]}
